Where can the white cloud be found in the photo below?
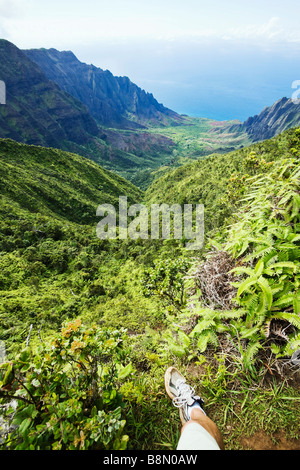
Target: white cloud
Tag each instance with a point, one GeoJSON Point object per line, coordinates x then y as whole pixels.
{"type": "Point", "coordinates": [32, 23]}
{"type": "Point", "coordinates": [268, 30]}
{"type": "Point", "coordinates": [10, 11]}
{"type": "Point", "coordinates": [13, 8]}
{"type": "Point", "coordinates": [267, 33]}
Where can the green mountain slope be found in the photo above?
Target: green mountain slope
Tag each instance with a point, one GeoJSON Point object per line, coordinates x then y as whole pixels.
{"type": "Point", "coordinates": [207, 181]}
{"type": "Point", "coordinates": [53, 269]}
{"type": "Point", "coordinates": [58, 183]}
{"type": "Point", "coordinates": [50, 257]}
{"type": "Point", "coordinates": [37, 111]}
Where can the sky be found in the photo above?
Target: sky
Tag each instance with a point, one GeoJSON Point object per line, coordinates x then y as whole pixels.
{"type": "Point", "coordinates": [216, 59]}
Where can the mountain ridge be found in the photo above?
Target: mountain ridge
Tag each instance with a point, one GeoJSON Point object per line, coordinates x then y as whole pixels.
{"type": "Point", "coordinates": [113, 101]}
{"type": "Point", "coordinates": [271, 121]}
{"type": "Point", "coordinates": [36, 109]}
{"type": "Point", "coordinates": [39, 112]}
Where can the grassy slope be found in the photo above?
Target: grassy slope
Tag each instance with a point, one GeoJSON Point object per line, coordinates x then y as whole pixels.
{"type": "Point", "coordinates": [193, 139]}
{"type": "Point", "coordinates": [199, 137]}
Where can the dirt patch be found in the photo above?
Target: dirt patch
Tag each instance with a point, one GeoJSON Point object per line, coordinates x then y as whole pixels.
{"type": "Point", "coordinates": [261, 441]}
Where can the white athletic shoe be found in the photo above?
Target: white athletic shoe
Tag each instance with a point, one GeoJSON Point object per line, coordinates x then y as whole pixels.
{"type": "Point", "coordinates": [182, 394]}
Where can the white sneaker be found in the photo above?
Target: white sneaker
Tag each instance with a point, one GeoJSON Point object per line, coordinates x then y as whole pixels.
{"type": "Point", "coordinates": [182, 394]}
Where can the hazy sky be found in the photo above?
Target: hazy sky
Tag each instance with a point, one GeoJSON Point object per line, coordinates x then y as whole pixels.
{"type": "Point", "coordinates": [217, 59]}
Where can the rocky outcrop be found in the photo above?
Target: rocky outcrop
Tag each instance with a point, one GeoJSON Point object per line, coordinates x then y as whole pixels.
{"type": "Point", "coordinates": [282, 115]}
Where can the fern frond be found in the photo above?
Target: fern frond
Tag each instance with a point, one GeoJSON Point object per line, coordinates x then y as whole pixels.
{"type": "Point", "coordinates": [284, 301]}
{"type": "Point", "coordinates": [263, 283]}
{"type": "Point", "coordinates": [261, 309]}
{"type": "Point", "coordinates": [203, 341]}
{"type": "Point", "coordinates": [202, 326]}
{"type": "Point", "coordinates": [230, 314]}
{"type": "Point", "coordinates": [242, 269]}
{"type": "Point", "coordinates": [251, 352]}
{"type": "Point", "coordinates": [284, 264]}
{"type": "Point", "coordinates": [245, 285]}
{"type": "Point", "coordinates": [296, 304]}
{"type": "Point", "coordinates": [249, 332]}
{"type": "Point", "coordinates": [290, 317]}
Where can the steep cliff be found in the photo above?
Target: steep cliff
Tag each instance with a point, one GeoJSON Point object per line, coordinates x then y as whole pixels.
{"type": "Point", "coordinates": [282, 115]}
{"type": "Point", "coordinates": [112, 101]}
{"type": "Point", "coordinates": [37, 111]}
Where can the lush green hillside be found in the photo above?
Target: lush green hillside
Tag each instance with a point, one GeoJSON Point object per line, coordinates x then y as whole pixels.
{"type": "Point", "coordinates": [207, 181]}
{"type": "Point", "coordinates": [198, 137]}
{"type": "Point", "coordinates": [57, 183]}
{"type": "Point", "coordinates": [227, 317]}
{"type": "Point", "coordinates": [175, 146]}
{"type": "Point", "coordinates": [37, 111]}
{"type": "Point", "coordinates": [48, 222]}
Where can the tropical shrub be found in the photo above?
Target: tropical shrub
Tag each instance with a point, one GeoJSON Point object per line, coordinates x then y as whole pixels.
{"type": "Point", "coordinates": [166, 279]}
{"type": "Point", "coordinates": [67, 392]}
{"type": "Point", "coordinates": [267, 240]}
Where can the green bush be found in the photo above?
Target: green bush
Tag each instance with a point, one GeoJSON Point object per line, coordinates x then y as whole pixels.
{"type": "Point", "coordinates": [67, 392]}
{"type": "Point", "coordinates": [166, 280]}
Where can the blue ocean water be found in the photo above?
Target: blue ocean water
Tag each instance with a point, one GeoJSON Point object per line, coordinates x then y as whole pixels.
{"type": "Point", "coordinates": [220, 80]}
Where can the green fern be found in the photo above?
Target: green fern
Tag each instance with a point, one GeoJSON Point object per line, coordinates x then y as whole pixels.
{"type": "Point", "coordinates": [265, 239]}
{"type": "Point", "coordinates": [250, 353]}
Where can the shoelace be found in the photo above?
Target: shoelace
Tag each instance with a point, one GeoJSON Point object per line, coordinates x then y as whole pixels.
{"type": "Point", "coordinates": [185, 392]}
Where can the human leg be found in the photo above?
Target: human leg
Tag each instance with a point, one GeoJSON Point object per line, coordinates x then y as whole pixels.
{"type": "Point", "coordinates": [198, 432]}
{"type": "Point", "coordinates": [198, 417]}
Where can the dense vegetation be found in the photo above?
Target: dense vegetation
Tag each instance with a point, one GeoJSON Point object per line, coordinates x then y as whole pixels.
{"type": "Point", "coordinates": [58, 184]}
{"type": "Point", "coordinates": [50, 252]}
{"type": "Point", "coordinates": [217, 182]}
{"type": "Point", "coordinates": [90, 325]}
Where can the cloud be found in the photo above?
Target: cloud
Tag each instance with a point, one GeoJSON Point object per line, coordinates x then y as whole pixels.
{"type": "Point", "coordinates": [10, 11]}
{"type": "Point", "coordinates": [29, 25]}
{"type": "Point", "coordinates": [12, 8]}
{"type": "Point", "coordinates": [32, 24]}
{"type": "Point", "coordinates": [268, 31]}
